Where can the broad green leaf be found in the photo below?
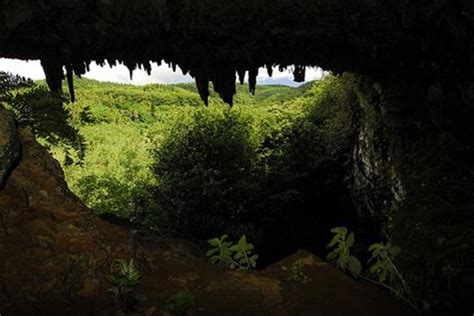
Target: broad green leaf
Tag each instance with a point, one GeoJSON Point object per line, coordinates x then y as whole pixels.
{"type": "Point", "coordinates": [354, 265]}
{"type": "Point", "coordinates": [350, 240]}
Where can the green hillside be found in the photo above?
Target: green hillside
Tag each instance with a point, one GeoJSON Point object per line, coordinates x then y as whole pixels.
{"type": "Point", "coordinates": [123, 124]}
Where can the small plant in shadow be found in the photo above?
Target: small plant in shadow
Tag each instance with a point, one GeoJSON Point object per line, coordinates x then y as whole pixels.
{"type": "Point", "coordinates": [220, 253]}
{"type": "Point", "coordinates": [123, 283]}
{"type": "Point", "coordinates": [238, 256]}
{"type": "Point", "coordinates": [180, 303]}
{"type": "Point", "coordinates": [297, 273]}
{"type": "Point", "coordinates": [244, 256]}
{"type": "Point", "coordinates": [342, 243]}
{"type": "Point", "coordinates": [382, 266]}
{"type": "Point", "coordinates": [382, 269]}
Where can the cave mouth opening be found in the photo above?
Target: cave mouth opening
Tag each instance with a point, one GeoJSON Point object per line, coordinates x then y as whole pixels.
{"type": "Point", "coordinates": [299, 214]}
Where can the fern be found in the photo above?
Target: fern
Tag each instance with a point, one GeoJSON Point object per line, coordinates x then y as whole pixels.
{"type": "Point", "coordinates": [35, 106]}
{"type": "Point", "coordinates": [123, 283]}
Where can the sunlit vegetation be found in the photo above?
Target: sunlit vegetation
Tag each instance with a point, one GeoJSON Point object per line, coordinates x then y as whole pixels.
{"type": "Point", "coordinates": [273, 170]}
{"type": "Point", "coordinates": [157, 156]}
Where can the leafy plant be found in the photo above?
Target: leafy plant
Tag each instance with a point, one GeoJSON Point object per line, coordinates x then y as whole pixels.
{"type": "Point", "coordinates": [220, 253]}
{"type": "Point", "coordinates": [124, 282]}
{"type": "Point", "coordinates": [233, 256]}
{"type": "Point", "coordinates": [244, 256]}
{"type": "Point", "coordinates": [180, 303]}
{"type": "Point", "coordinates": [297, 273]}
{"type": "Point", "coordinates": [43, 111]}
{"type": "Point", "coordinates": [341, 255]}
{"type": "Point", "coordinates": [388, 275]}
{"type": "Point", "coordinates": [382, 261]}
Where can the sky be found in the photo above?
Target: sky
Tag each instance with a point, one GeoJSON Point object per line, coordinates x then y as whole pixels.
{"type": "Point", "coordinates": [160, 74]}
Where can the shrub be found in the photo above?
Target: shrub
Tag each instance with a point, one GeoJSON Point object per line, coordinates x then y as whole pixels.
{"type": "Point", "coordinates": [207, 173]}
{"type": "Point", "coordinates": [115, 173]}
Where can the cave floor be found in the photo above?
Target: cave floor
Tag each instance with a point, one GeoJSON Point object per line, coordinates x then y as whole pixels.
{"type": "Point", "coordinates": [177, 267]}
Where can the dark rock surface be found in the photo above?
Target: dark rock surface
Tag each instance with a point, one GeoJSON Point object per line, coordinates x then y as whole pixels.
{"type": "Point", "coordinates": [10, 148]}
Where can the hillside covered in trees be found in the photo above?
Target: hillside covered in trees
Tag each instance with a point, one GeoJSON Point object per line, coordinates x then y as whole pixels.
{"type": "Point", "coordinates": [276, 173]}
{"type": "Point", "coordinates": [155, 156]}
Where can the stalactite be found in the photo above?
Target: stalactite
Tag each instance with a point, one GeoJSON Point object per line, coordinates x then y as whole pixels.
{"type": "Point", "coordinates": [270, 70]}
{"type": "Point", "coordinates": [131, 67]}
{"type": "Point", "coordinates": [253, 74]}
{"type": "Point", "coordinates": [112, 62]}
{"type": "Point", "coordinates": [54, 74]}
{"type": "Point", "coordinates": [70, 82]}
{"type": "Point", "coordinates": [79, 68]}
{"type": "Point", "coordinates": [202, 84]}
{"type": "Point", "coordinates": [299, 73]}
{"type": "Point", "coordinates": [241, 74]}
{"type": "Point", "coordinates": [147, 67]}
{"type": "Point", "coordinates": [224, 84]}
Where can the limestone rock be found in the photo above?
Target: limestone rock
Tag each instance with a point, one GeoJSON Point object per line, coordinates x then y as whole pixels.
{"type": "Point", "coordinates": [10, 148]}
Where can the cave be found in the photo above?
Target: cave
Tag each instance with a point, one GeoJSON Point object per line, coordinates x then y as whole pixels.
{"type": "Point", "coordinates": [411, 170]}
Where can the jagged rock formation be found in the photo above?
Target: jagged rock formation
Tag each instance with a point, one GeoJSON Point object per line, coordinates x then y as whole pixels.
{"type": "Point", "coordinates": [54, 250]}
{"type": "Point", "coordinates": [10, 149]}
{"type": "Point", "coordinates": [214, 41]}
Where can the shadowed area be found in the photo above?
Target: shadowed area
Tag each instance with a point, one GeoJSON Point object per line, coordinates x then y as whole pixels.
{"type": "Point", "coordinates": [212, 40]}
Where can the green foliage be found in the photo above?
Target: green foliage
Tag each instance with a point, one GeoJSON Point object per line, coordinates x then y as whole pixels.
{"type": "Point", "coordinates": [180, 303]}
{"type": "Point", "coordinates": [35, 106]}
{"type": "Point", "coordinates": [114, 175]}
{"type": "Point", "coordinates": [156, 156]}
{"type": "Point", "coordinates": [232, 256]}
{"type": "Point", "coordinates": [341, 254]}
{"type": "Point", "coordinates": [244, 256]}
{"type": "Point", "coordinates": [43, 111]}
{"type": "Point", "coordinates": [382, 260]}
{"type": "Point", "coordinates": [297, 273]}
{"type": "Point", "coordinates": [122, 124]}
{"type": "Point", "coordinates": [10, 82]}
{"type": "Point", "coordinates": [381, 263]}
{"type": "Point", "coordinates": [125, 280]}
{"type": "Point", "coordinates": [220, 252]}
{"type": "Point", "coordinates": [206, 171]}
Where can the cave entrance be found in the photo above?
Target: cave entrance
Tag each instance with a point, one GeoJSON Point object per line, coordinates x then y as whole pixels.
{"type": "Point", "coordinates": [301, 191]}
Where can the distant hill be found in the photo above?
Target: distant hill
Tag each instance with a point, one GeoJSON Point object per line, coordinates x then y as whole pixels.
{"type": "Point", "coordinates": [181, 94]}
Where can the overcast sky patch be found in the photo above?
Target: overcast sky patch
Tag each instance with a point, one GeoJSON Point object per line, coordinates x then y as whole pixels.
{"type": "Point", "coordinates": [159, 74]}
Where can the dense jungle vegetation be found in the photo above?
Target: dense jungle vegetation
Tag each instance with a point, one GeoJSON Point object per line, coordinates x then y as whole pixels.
{"type": "Point", "coordinates": [275, 169]}
{"type": "Point", "coordinates": [271, 167]}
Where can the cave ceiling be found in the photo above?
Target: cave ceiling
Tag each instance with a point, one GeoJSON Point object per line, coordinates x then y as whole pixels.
{"type": "Point", "coordinates": [218, 41]}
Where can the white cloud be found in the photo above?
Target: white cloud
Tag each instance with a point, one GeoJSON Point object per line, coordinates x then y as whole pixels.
{"type": "Point", "coordinates": [30, 69]}
{"type": "Point", "coordinates": [159, 74]}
